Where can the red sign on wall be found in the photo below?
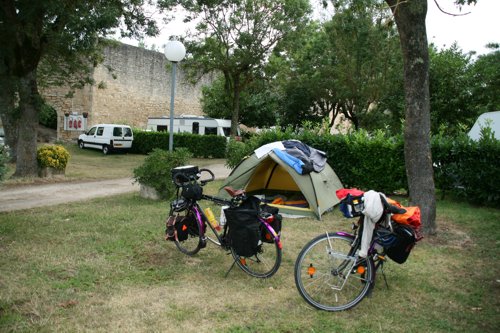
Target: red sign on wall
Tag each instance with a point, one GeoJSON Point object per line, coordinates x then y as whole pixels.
{"type": "Point", "coordinates": [75, 123]}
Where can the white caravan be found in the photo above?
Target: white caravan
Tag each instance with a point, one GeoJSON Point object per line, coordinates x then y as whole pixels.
{"type": "Point", "coordinates": [490, 119]}
{"type": "Point", "coordinates": [192, 124]}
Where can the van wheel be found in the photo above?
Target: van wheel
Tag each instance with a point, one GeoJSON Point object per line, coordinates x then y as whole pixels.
{"type": "Point", "coordinates": [81, 144]}
{"type": "Point", "coordinates": [105, 149]}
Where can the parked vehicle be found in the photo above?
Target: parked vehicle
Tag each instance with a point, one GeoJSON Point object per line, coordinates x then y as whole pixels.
{"type": "Point", "coordinates": [192, 124]}
{"type": "Point", "coordinates": [487, 119]}
{"type": "Point", "coordinates": [107, 137]}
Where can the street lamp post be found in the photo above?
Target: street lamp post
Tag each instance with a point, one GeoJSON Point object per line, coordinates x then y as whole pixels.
{"type": "Point", "coordinates": [175, 52]}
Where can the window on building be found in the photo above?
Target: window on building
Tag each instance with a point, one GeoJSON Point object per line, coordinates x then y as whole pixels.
{"type": "Point", "coordinates": [196, 128]}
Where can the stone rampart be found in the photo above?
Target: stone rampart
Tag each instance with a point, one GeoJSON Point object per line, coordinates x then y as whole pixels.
{"type": "Point", "coordinates": [135, 86]}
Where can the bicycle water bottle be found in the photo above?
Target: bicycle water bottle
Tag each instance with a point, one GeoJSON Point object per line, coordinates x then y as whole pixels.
{"type": "Point", "coordinates": [211, 219]}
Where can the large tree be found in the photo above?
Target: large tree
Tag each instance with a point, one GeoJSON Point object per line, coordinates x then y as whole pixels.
{"type": "Point", "coordinates": [64, 33]}
{"type": "Point", "coordinates": [410, 20]}
{"type": "Point", "coordinates": [236, 37]}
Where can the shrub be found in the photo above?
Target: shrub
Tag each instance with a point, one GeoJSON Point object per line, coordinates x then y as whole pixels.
{"type": "Point", "coordinates": [48, 116]}
{"type": "Point", "coordinates": [155, 172]}
{"type": "Point", "coordinates": [53, 156]}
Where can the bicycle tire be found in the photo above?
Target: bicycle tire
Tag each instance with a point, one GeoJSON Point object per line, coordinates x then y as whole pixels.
{"type": "Point", "coordinates": [194, 241]}
{"type": "Point", "coordinates": [327, 274]}
{"type": "Point", "coordinates": [265, 263]}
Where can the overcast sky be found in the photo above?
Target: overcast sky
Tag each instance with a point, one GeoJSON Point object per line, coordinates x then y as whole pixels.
{"type": "Point", "coordinates": [472, 31]}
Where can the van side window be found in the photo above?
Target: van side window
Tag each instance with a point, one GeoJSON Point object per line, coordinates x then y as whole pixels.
{"type": "Point", "coordinates": [128, 131]}
{"type": "Point", "coordinates": [196, 128]}
{"type": "Point", "coordinates": [100, 130]}
{"type": "Point", "coordinates": [161, 128]}
{"type": "Point", "coordinates": [210, 130]}
{"type": "Point", "coordinates": [227, 131]}
{"type": "Point", "coordinates": [92, 131]}
{"type": "Point", "coordinates": [117, 131]}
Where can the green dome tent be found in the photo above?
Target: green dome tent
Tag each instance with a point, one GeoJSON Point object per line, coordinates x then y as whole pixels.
{"type": "Point", "coordinates": [270, 177]}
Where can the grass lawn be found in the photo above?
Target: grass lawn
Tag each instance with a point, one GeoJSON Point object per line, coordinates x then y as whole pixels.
{"type": "Point", "coordinates": [92, 164]}
{"type": "Point", "coordinates": [103, 266]}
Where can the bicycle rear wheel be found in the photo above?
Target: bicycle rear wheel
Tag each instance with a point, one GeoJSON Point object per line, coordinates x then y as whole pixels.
{"type": "Point", "coordinates": [193, 242]}
{"type": "Point", "coordinates": [264, 263]}
{"type": "Point", "coordinates": [329, 276]}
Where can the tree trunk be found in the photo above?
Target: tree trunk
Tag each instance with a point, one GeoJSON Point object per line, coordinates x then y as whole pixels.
{"type": "Point", "coordinates": [410, 19]}
{"type": "Point", "coordinates": [235, 118]}
{"type": "Point", "coordinates": [9, 114]}
{"type": "Point", "coordinates": [29, 103]}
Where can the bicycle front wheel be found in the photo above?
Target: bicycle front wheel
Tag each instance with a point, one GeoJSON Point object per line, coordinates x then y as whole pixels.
{"type": "Point", "coordinates": [190, 242]}
{"type": "Point", "coordinates": [264, 263]}
{"type": "Point", "coordinates": [329, 276]}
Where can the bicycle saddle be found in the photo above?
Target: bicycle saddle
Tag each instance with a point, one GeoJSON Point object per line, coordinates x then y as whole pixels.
{"type": "Point", "coordinates": [234, 193]}
{"type": "Point", "coordinates": [388, 208]}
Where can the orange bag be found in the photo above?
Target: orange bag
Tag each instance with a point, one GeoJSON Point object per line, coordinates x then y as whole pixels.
{"type": "Point", "coordinates": [411, 217]}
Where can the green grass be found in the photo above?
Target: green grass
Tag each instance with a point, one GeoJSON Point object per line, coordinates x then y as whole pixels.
{"type": "Point", "coordinates": [92, 164]}
{"type": "Point", "coordinates": [103, 266]}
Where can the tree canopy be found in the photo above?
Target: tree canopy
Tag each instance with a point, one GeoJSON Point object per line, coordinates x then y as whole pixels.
{"type": "Point", "coordinates": [235, 38]}
{"type": "Point", "coordinates": [64, 35]}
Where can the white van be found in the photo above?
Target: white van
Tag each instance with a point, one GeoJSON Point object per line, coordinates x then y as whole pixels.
{"type": "Point", "coordinates": [107, 137]}
{"type": "Point", "coordinates": [192, 124]}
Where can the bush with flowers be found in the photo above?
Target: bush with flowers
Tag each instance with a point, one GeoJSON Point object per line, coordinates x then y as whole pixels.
{"type": "Point", "coordinates": [52, 156]}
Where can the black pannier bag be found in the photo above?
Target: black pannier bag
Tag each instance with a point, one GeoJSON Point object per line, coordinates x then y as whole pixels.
{"type": "Point", "coordinates": [183, 226]}
{"type": "Point", "coordinates": [275, 223]}
{"type": "Point", "coordinates": [243, 230]}
{"type": "Point", "coordinates": [406, 239]}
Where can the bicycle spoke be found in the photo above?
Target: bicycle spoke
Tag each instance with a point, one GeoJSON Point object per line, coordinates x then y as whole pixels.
{"type": "Point", "coordinates": [337, 283]}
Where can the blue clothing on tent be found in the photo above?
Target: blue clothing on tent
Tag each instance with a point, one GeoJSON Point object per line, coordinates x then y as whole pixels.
{"type": "Point", "coordinates": [292, 161]}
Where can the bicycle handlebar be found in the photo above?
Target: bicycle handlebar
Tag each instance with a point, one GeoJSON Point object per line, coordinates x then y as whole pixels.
{"type": "Point", "coordinates": [181, 179]}
{"type": "Point", "coordinates": [204, 181]}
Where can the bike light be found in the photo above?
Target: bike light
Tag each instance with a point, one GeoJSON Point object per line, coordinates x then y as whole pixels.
{"type": "Point", "coordinates": [360, 269]}
{"type": "Point", "coordinates": [311, 270]}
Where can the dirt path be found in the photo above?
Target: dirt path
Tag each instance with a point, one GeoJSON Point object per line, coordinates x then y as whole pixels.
{"type": "Point", "coordinates": [25, 197]}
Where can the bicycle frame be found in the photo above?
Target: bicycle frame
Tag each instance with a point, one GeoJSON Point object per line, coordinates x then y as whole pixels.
{"type": "Point", "coordinates": [200, 218]}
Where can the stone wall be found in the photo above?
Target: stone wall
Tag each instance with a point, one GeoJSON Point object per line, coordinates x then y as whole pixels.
{"type": "Point", "coordinates": [135, 86]}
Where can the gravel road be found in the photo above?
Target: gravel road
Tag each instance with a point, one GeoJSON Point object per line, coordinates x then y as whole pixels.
{"type": "Point", "coordinates": [27, 196]}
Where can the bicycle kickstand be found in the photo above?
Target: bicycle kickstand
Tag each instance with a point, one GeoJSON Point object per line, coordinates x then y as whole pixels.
{"type": "Point", "coordinates": [230, 268]}
{"type": "Point", "coordinates": [383, 274]}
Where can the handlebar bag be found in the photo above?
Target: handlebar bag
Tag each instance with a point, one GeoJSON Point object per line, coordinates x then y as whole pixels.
{"type": "Point", "coordinates": [243, 230]}
{"type": "Point", "coordinates": [192, 191]}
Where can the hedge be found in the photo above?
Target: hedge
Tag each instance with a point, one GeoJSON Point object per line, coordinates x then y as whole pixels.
{"type": "Point", "coordinates": [201, 146]}
{"type": "Point", "coordinates": [376, 161]}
